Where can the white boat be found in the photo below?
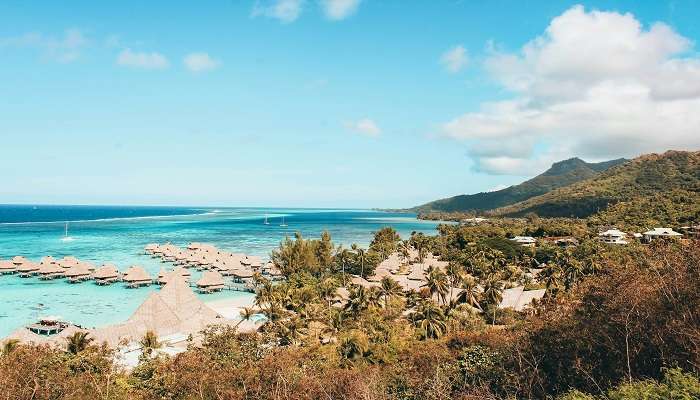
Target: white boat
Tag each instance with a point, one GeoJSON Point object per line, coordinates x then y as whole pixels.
{"type": "Point", "coordinates": [266, 222]}
{"type": "Point", "coordinates": [65, 237]}
{"type": "Point", "coordinates": [283, 224]}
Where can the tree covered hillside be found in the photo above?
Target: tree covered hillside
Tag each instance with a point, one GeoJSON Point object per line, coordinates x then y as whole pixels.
{"type": "Point", "coordinates": [561, 174]}
{"type": "Point", "coordinates": [655, 187]}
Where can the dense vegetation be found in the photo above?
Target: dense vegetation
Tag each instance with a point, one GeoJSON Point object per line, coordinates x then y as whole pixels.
{"type": "Point", "coordinates": [561, 174]}
{"type": "Point", "coordinates": [617, 322]}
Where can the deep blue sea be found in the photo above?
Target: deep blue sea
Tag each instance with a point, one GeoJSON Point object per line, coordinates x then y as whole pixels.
{"type": "Point", "coordinates": [118, 235]}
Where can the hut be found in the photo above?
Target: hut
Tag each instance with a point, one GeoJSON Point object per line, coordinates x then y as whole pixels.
{"type": "Point", "coordinates": [27, 269]}
{"type": "Point", "coordinates": [106, 274]}
{"type": "Point", "coordinates": [7, 267]}
{"type": "Point", "coordinates": [211, 281]}
{"type": "Point", "coordinates": [162, 277]}
{"type": "Point", "coordinates": [48, 271]}
{"type": "Point", "coordinates": [136, 276]}
{"type": "Point", "coordinates": [68, 262]}
{"type": "Point", "coordinates": [78, 273]}
{"type": "Point", "coordinates": [47, 260]}
{"type": "Point", "coordinates": [174, 309]}
{"type": "Point", "coordinates": [19, 260]}
{"type": "Point", "coordinates": [150, 248]}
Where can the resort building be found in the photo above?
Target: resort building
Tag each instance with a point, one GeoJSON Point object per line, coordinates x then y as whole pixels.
{"type": "Point", "coordinates": [613, 236]}
{"type": "Point", "coordinates": [26, 268]}
{"type": "Point", "coordinates": [518, 299]}
{"type": "Point", "coordinates": [7, 267]}
{"type": "Point", "coordinates": [136, 276]}
{"type": "Point", "coordinates": [525, 241]}
{"type": "Point", "coordinates": [48, 271]}
{"type": "Point", "coordinates": [106, 274]}
{"type": "Point", "coordinates": [657, 233]}
{"type": "Point", "coordinates": [211, 281]}
{"type": "Point", "coordinates": [78, 273]}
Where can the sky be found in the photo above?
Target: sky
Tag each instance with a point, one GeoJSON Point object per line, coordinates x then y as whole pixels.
{"type": "Point", "coordinates": [332, 103]}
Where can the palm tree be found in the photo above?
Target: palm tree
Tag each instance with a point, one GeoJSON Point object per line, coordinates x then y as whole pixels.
{"type": "Point", "coordinates": [388, 288]}
{"type": "Point", "coordinates": [455, 276]}
{"type": "Point", "coordinates": [342, 257]}
{"type": "Point", "coordinates": [9, 346]}
{"type": "Point", "coordinates": [150, 342]}
{"type": "Point", "coordinates": [274, 311]}
{"type": "Point", "coordinates": [291, 331]}
{"type": "Point", "coordinates": [430, 320]}
{"type": "Point", "coordinates": [78, 342]}
{"type": "Point", "coordinates": [362, 257]}
{"type": "Point", "coordinates": [493, 295]}
{"type": "Point", "coordinates": [470, 293]}
{"type": "Point", "coordinates": [358, 301]}
{"type": "Point", "coordinates": [246, 314]}
{"type": "Point", "coordinates": [353, 346]}
{"type": "Point", "coordinates": [405, 251]}
{"type": "Point", "coordinates": [327, 289]}
{"type": "Point", "coordinates": [436, 282]}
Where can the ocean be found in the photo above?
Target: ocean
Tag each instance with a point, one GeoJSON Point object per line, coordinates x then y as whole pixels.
{"type": "Point", "coordinates": [118, 234]}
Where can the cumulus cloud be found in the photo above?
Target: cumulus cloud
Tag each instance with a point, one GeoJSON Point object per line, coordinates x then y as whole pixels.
{"type": "Point", "coordinates": [455, 59]}
{"type": "Point", "coordinates": [339, 9]}
{"type": "Point", "coordinates": [200, 62]}
{"type": "Point", "coordinates": [143, 60]}
{"type": "Point", "coordinates": [65, 48]}
{"type": "Point", "coordinates": [596, 84]}
{"type": "Point", "coordinates": [365, 127]}
{"type": "Point", "coordinates": [285, 11]}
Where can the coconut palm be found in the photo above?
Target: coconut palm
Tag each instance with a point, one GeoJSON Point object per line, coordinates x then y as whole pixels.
{"type": "Point", "coordinates": [353, 346]}
{"type": "Point", "coordinates": [430, 320]}
{"type": "Point", "coordinates": [9, 346]}
{"type": "Point", "coordinates": [247, 314]}
{"type": "Point", "coordinates": [78, 342]}
{"type": "Point", "coordinates": [455, 275]}
{"type": "Point", "coordinates": [358, 301]}
{"type": "Point", "coordinates": [436, 282]}
{"type": "Point", "coordinates": [388, 288]}
{"type": "Point", "coordinates": [327, 289]}
{"type": "Point", "coordinates": [470, 293]}
{"type": "Point", "coordinates": [291, 331]}
{"type": "Point", "coordinates": [150, 342]}
{"type": "Point", "coordinates": [342, 257]}
{"type": "Point", "coordinates": [493, 295]}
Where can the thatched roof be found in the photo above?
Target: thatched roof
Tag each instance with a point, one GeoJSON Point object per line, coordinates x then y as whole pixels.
{"type": "Point", "coordinates": [517, 298]}
{"type": "Point", "coordinates": [17, 260]}
{"type": "Point", "coordinates": [7, 265]}
{"type": "Point", "coordinates": [106, 271]}
{"type": "Point", "coordinates": [77, 270]}
{"type": "Point", "coordinates": [136, 274]}
{"type": "Point", "coordinates": [173, 309]}
{"type": "Point", "coordinates": [211, 278]}
{"type": "Point", "coordinates": [49, 268]}
{"type": "Point", "coordinates": [27, 266]}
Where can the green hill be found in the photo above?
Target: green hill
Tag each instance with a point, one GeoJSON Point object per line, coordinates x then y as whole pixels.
{"type": "Point", "coordinates": [561, 174]}
{"type": "Point", "coordinates": [661, 187]}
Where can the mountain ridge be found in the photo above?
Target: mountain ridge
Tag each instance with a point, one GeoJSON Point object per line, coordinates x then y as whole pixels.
{"type": "Point", "coordinates": [561, 173]}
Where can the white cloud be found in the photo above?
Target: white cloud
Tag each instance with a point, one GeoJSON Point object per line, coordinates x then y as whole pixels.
{"type": "Point", "coordinates": [365, 127]}
{"type": "Point", "coordinates": [455, 59]}
{"type": "Point", "coordinates": [200, 62]}
{"type": "Point", "coordinates": [339, 9]}
{"type": "Point", "coordinates": [285, 11]}
{"type": "Point", "coordinates": [65, 49]}
{"type": "Point", "coordinates": [596, 85]}
{"type": "Point", "coordinates": [143, 60]}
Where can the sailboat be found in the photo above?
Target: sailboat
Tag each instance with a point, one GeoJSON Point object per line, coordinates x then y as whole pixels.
{"type": "Point", "coordinates": [65, 237]}
{"type": "Point", "coordinates": [283, 224]}
{"type": "Point", "coordinates": [266, 222]}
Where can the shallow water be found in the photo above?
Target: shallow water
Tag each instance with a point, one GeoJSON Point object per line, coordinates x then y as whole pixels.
{"type": "Point", "coordinates": [102, 235]}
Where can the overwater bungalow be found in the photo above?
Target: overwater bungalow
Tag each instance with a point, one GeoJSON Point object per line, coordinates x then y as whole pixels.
{"type": "Point", "coordinates": [136, 276]}
{"type": "Point", "coordinates": [47, 260]}
{"type": "Point", "coordinates": [27, 269]}
{"type": "Point", "coordinates": [150, 248]}
{"type": "Point", "coordinates": [211, 281]}
{"type": "Point", "coordinates": [49, 271]}
{"type": "Point", "coordinates": [18, 260]}
{"type": "Point", "coordinates": [68, 262]}
{"type": "Point", "coordinates": [7, 267]}
{"type": "Point", "coordinates": [106, 274]}
{"type": "Point", "coordinates": [78, 273]}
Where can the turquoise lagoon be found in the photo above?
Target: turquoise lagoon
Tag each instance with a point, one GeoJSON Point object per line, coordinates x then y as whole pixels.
{"type": "Point", "coordinates": [118, 235]}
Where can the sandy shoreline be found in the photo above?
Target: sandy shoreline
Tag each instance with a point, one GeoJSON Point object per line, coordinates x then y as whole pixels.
{"type": "Point", "coordinates": [230, 308]}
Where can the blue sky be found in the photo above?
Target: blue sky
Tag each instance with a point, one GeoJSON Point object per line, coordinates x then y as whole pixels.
{"type": "Point", "coordinates": [331, 103]}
